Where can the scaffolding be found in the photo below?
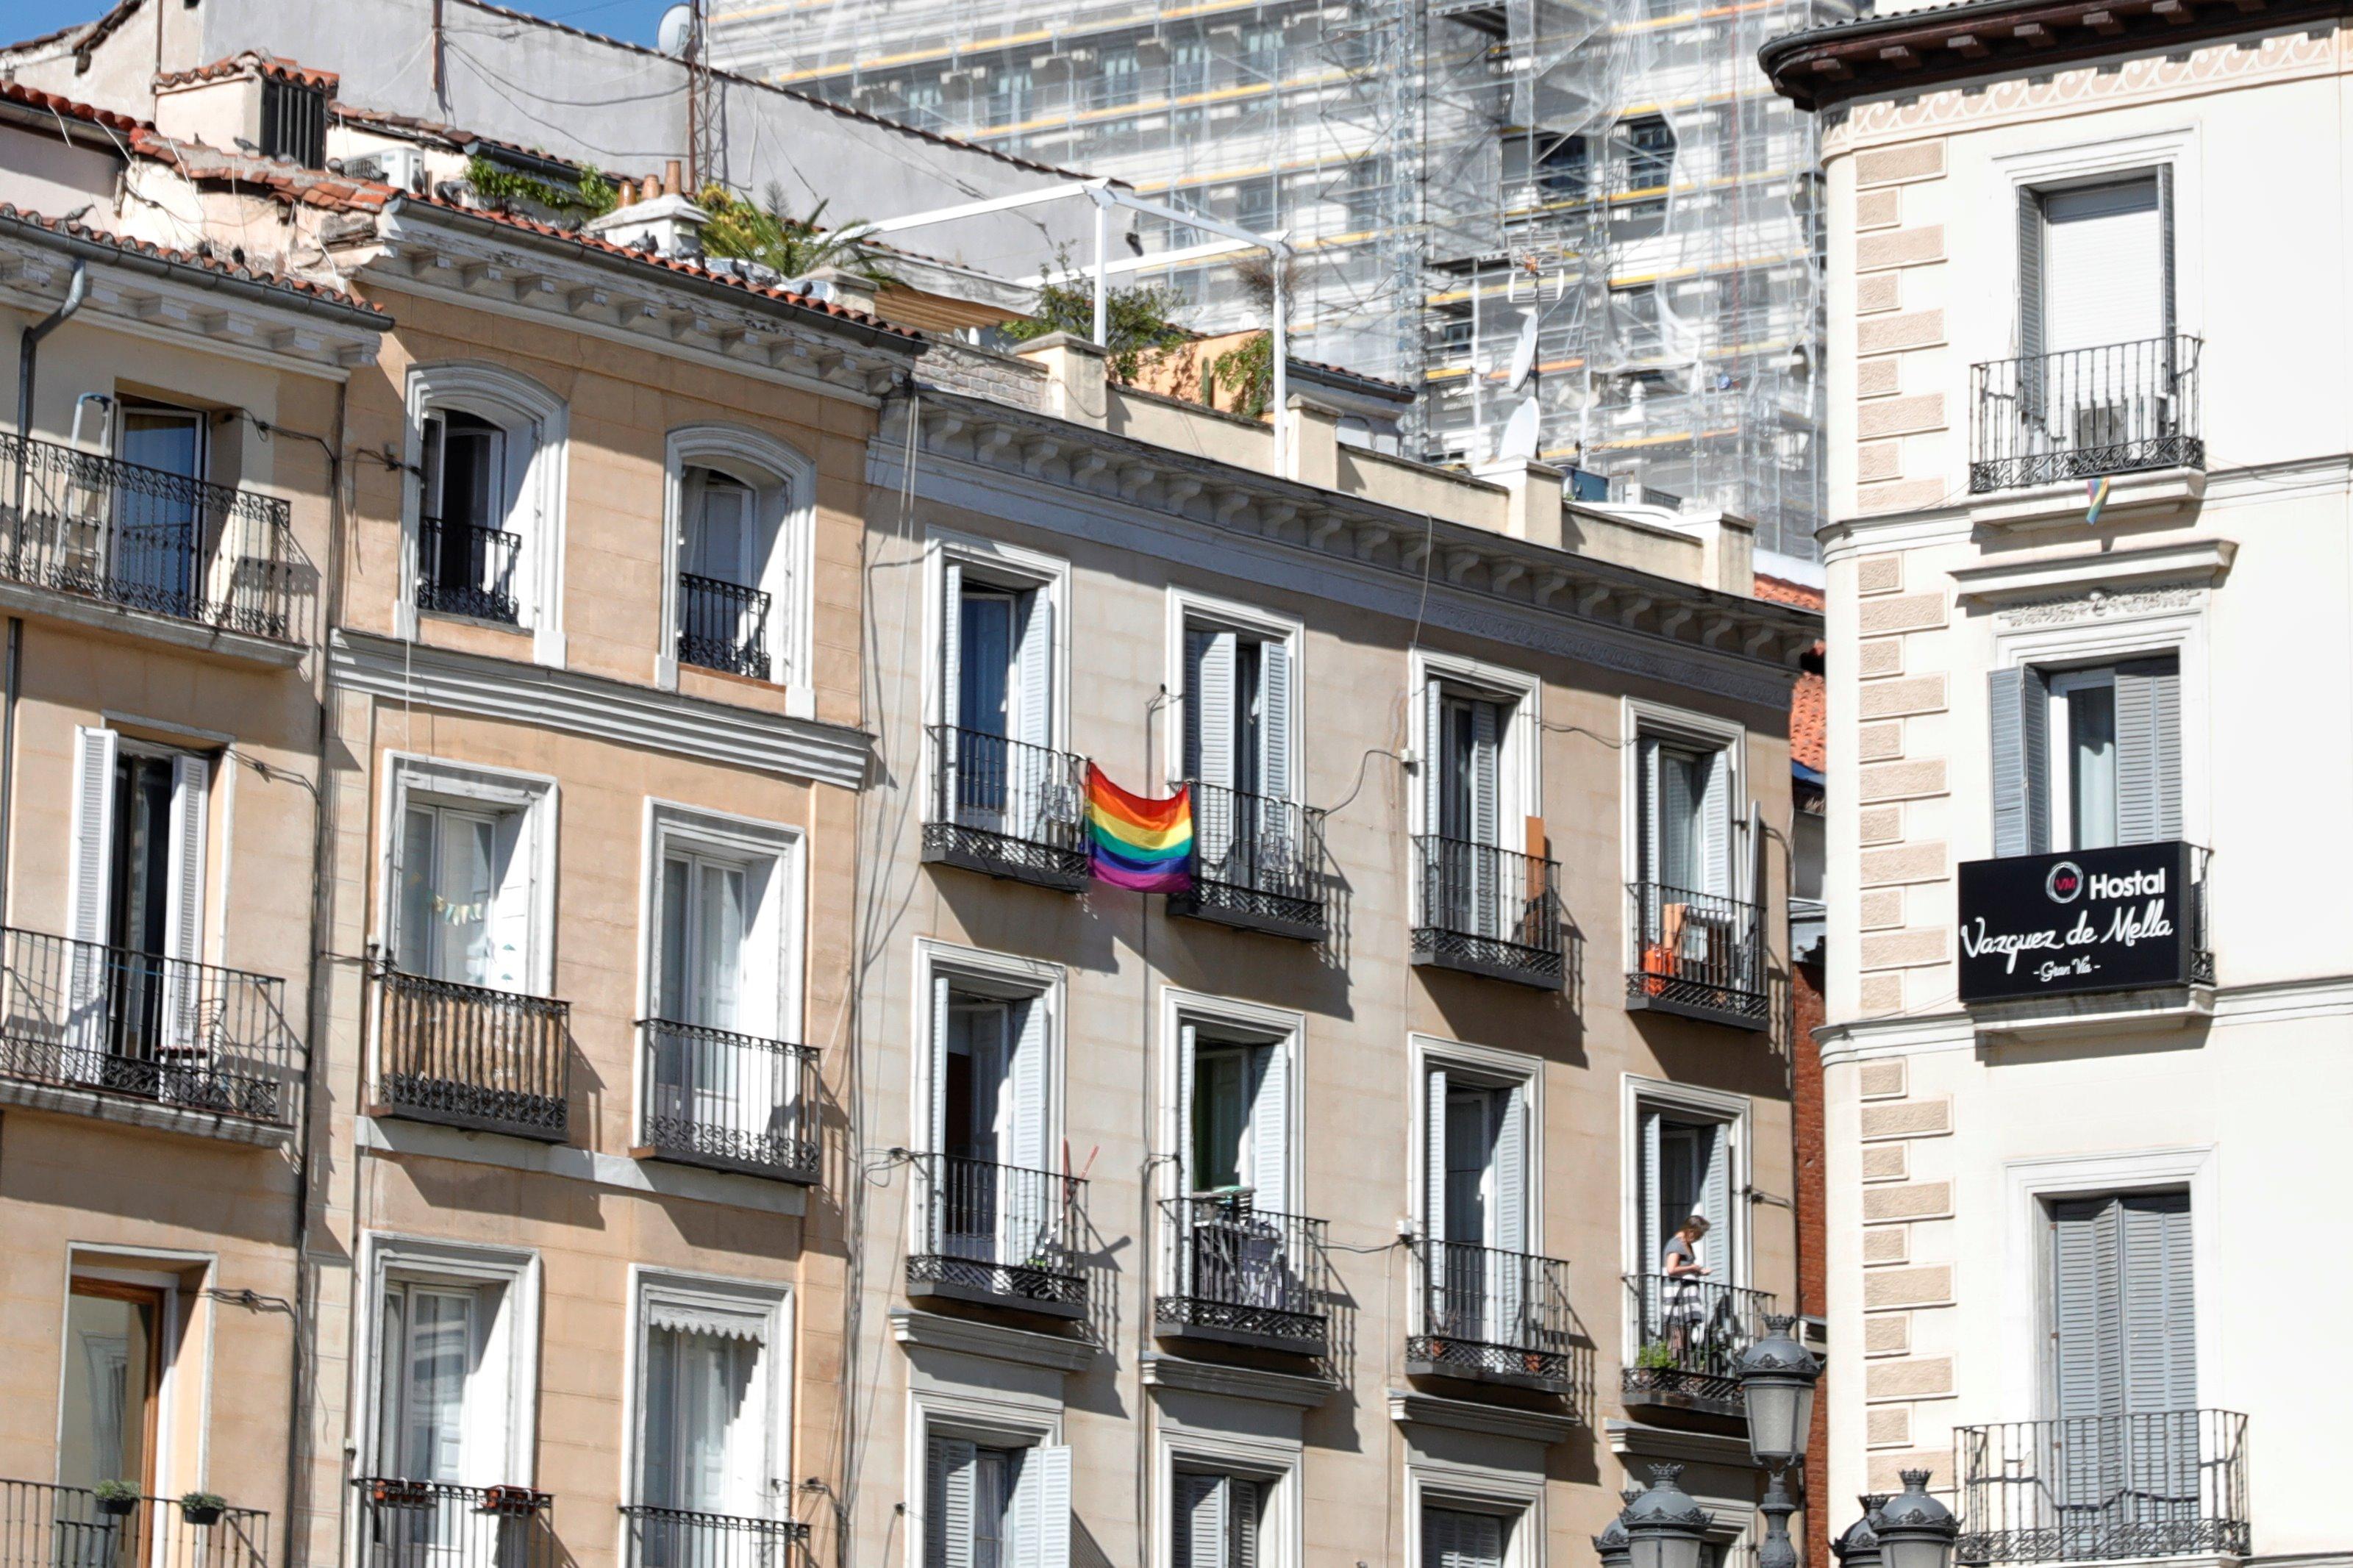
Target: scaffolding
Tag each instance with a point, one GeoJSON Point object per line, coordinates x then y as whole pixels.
{"type": "Point", "coordinates": [1445, 171]}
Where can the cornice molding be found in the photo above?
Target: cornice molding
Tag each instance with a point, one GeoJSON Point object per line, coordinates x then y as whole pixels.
{"type": "Point", "coordinates": [1480, 1417]}
{"type": "Point", "coordinates": [1235, 1381]}
{"type": "Point", "coordinates": [1640, 1439]}
{"type": "Point", "coordinates": [982, 456]}
{"type": "Point", "coordinates": [596, 706]}
{"type": "Point", "coordinates": [968, 1336]}
{"type": "Point", "coordinates": [2097, 582]}
{"type": "Point", "coordinates": [2281, 1001]}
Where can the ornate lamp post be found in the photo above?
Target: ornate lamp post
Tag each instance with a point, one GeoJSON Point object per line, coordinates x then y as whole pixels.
{"type": "Point", "coordinates": [1915, 1530]}
{"type": "Point", "coordinates": [1777, 1384]}
{"type": "Point", "coordinates": [1859, 1548]}
{"type": "Point", "coordinates": [1666, 1526]}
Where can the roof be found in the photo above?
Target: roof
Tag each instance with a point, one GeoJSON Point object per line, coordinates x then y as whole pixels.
{"type": "Point", "coordinates": [239, 272]}
{"type": "Point", "coordinates": [456, 138]}
{"type": "Point", "coordinates": [251, 62]}
{"type": "Point", "coordinates": [1809, 727]}
{"type": "Point", "coordinates": [70, 109]}
{"type": "Point", "coordinates": [1781, 591]}
{"type": "Point", "coordinates": [1374, 384]}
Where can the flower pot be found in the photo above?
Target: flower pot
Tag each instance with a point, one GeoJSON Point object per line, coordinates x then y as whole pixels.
{"type": "Point", "coordinates": [117, 1506]}
{"type": "Point", "coordinates": [201, 1513]}
{"type": "Point", "coordinates": [401, 1494]}
{"type": "Point", "coordinates": [511, 1502]}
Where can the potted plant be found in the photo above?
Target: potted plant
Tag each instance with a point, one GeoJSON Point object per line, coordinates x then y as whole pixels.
{"type": "Point", "coordinates": [401, 1494]}
{"type": "Point", "coordinates": [512, 1501]}
{"type": "Point", "coordinates": [115, 1498]}
{"type": "Point", "coordinates": [203, 1507]}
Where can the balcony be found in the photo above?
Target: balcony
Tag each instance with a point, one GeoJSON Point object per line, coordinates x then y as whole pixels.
{"type": "Point", "coordinates": [1255, 864]}
{"type": "Point", "coordinates": [679, 1537]}
{"type": "Point", "coordinates": [727, 1101]}
{"type": "Point", "coordinates": [998, 1236]}
{"type": "Point", "coordinates": [118, 1033]}
{"type": "Point", "coordinates": [2052, 418]}
{"type": "Point", "coordinates": [433, 1524]}
{"type": "Point", "coordinates": [148, 539]}
{"type": "Point", "coordinates": [45, 1526]}
{"type": "Point", "coordinates": [2102, 1489]}
{"type": "Point", "coordinates": [2086, 937]}
{"type": "Point", "coordinates": [1486, 911]}
{"type": "Point", "coordinates": [722, 627]}
{"type": "Point", "coordinates": [1700, 955]}
{"type": "Point", "coordinates": [1242, 1276]}
{"type": "Point", "coordinates": [1491, 1316]}
{"type": "Point", "coordinates": [464, 1055]}
{"type": "Point", "coordinates": [464, 569]}
{"type": "Point", "coordinates": [1006, 809]}
{"type": "Point", "coordinates": [1689, 1334]}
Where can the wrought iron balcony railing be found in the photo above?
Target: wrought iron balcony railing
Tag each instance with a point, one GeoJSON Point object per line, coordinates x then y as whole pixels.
{"type": "Point", "coordinates": [1488, 911]}
{"type": "Point", "coordinates": [138, 1025]}
{"type": "Point", "coordinates": [680, 1538]}
{"type": "Point", "coordinates": [150, 540]}
{"type": "Point", "coordinates": [1699, 954]}
{"type": "Point", "coordinates": [999, 1235]}
{"type": "Point", "coordinates": [2099, 1489]}
{"type": "Point", "coordinates": [1242, 1275]}
{"type": "Point", "coordinates": [1007, 808]}
{"type": "Point", "coordinates": [1490, 1315]}
{"type": "Point", "coordinates": [465, 569]}
{"type": "Point", "coordinates": [2084, 413]}
{"type": "Point", "coordinates": [1256, 863]}
{"type": "Point", "coordinates": [723, 625]}
{"type": "Point", "coordinates": [727, 1101]}
{"type": "Point", "coordinates": [472, 1057]}
{"type": "Point", "coordinates": [434, 1524]}
{"type": "Point", "coordinates": [1688, 1334]}
{"type": "Point", "coordinates": [45, 1526]}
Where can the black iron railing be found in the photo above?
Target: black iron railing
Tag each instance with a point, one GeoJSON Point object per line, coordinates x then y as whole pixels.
{"type": "Point", "coordinates": [148, 539]}
{"type": "Point", "coordinates": [465, 569]}
{"type": "Point", "coordinates": [999, 1233]}
{"type": "Point", "coordinates": [1257, 862]}
{"type": "Point", "coordinates": [434, 1524]}
{"type": "Point", "coordinates": [1688, 1334]}
{"type": "Point", "coordinates": [1697, 954]}
{"type": "Point", "coordinates": [2101, 1487]}
{"type": "Point", "coordinates": [1489, 911]}
{"type": "Point", "coordinates": [1487, 1313]}
{"type": "Point", "coordinates": [735, 1102]}
{"type": "Point", "coordinates": [45, 1526]}
{"type": "Point", "coordinates": [1237, 1272]}
{"type": "Point", "coordinates": [723, 625]}
{"type": "Point", "coordinates": [472, 1056]}
{"type": "Point", "coordinates": [81, 1015]}
{"type": "Point", "coordinates": [2084, 413]}
{"type": "Point", "coordinates": [1007, 808]}
{"type": "Point", "coordinates": [680, 1538]}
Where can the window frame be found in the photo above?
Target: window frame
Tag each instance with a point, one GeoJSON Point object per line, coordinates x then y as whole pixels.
{"type": "Point", "coordinates": [2097, 162]}
{"type": "Point", "coordinates": [1001, 565]}
{"type": "Point", "coordinates": [1010, 1417]}
{"type": "Point", "coordinates": [1644, 719]}
{"type": "Point", "coordinates": [1275, 1463]}
{"type": "Point", "coordinates": [531, 796]}
{"type": "Point", "coordinates": [1189, 609]}
{"type": "Point", "coordinates": [773, 1299]}
{"type": "Point", "coordinates": [1280, 1029]}
{"type": "Point", "coordinates": [515, 1271]}
{"type": "Point", "coordinates": [990, 973]}
{"type": "Point", "coordinates": [1489, 1066]}
{"type": "Point", "coordinates": [1482, 1490]}
{"type": "Point", "coordinates": [786, 508]}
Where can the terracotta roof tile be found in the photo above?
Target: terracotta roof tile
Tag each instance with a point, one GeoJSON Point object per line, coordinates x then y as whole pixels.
{"type": "Point", "coordinates": [251, 62]}
{"type": "Point", "coordinates": [1808, 731]}
{"type": "Point", "coordinates": [70, 109]}
{"type": "Point", "coordinates": [1781, 591]}
{"type": "Point", "coordinates": [250, 274]}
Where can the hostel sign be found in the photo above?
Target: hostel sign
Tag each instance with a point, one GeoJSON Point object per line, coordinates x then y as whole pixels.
{"type": "Point", "coordinates": [2089, 919]}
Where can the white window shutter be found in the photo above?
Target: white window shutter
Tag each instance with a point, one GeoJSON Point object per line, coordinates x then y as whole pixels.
{"type": "Point", "coordinates": [1274, 719]}
{"type": "Point", "coordinates": [1433, 1175]}
{"type": "Point", "coordinates": [947, 1503]}
{"type": "Point", "coordinates": [2018, 705]}
{"type": "Point", "coordinates": [1188, 1054]}
{"type": "Point", "coordinates": [1036, 661]}
{"type": "Point", "coordinates": [93, 836]}
{"type": "Point", "coordinates": [1486, 737]}
{"type": "Point", "coordinates": [1200, 1522]}
{"type": "Point", "coordinates": [1715, 826]}
{"type": "Point", "coordinates": [183, 914]}
{"type": "Point", "coordinates": [511, 967]}
{"type": "Point", "coordinates": [1030, 1093]}
{"type": "Point", "coordinates": [1511, 1157]}
{"type": "Point", "coordinates": [1270, 1173]}
{"type": "Point", "coordinates": [942, 990]}
{"type": "Point", "coordinates": [951, 638]}
{"type": "Point", "coordinates": [1433, 762]}
{"type": "Point", "coordinates": [1716, 1199]}
{"type": "Point", "coordinates": [1043, 1508]}
{"type": "Point", "coordinates": [1649, 1236]}
{"type": "Point", "coordinates": [1210, 706]}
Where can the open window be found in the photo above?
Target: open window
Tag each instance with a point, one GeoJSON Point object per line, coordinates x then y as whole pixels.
{"type": "Point", "coordinates": [996, 698]}
{"type": "Point", "coordinates": [993, 1504]}
{"type": "Point", "coordinates": [1486, 899]}
{"type": "Point", "coordinates": [1238, 746]}
{"type": "Point", "coordinates": [712, 1432]}
{"type": "Point", "coordinates": [155, 552]}
{"type": "Point", "coordinates": [1219, 1519]}
{"type": "Point", "coordinates": [2086, 756]}
{"type": "Point", "coordinates": [486, 479]}
{"type": "Point", "coordinates": [1695, 915]}
{"type": "Point", "coordinates": [1475, 1204]}
{"type": "Point", "coordinates": [741, 504]}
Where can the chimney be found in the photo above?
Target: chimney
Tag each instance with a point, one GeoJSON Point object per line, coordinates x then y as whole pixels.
{"type": "Point", "coordinates": [1533, 510]}
{"type": "Point", "coordinates": [674, 223]}
{"type": "Point", "coordinates": [1076, 381]}
{"type": "Point", "coordinates": [672, 175]}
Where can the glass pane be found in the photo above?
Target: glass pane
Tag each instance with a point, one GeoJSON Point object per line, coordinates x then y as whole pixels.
{"type": "Point", "coordinates": [1458, 757]}
{"type": "Point", "coordinates": [110, 1371]}
{"type": "Point", "coordinates": [677, 994]}
{"type": "Point", "coordinates": [984, 662]}
{"type": "Point", "coordinates": [464, 892]}
{"type": "Point", "coordinates": [2092, 764]}
{"type": "Point", "coordinates": [419, 908]}
{"type": "Point", "coordinates": [719, 544]}
{"type": "Point", "coordinates": [470, 453]}
{"type": "Point", "coordinates": [162, 438]}
{"type": "Point", "coordinates": [1220, 1114]}
{"type": "Point", "coordinates": [719, 916]}
{"type": "Point", "coordinates": [1682, 787]}
{"type": "Point", "coordinates": [441, 1356]}
{"type": "Point", "coordinates": [711, 1417]}
{"type": "Point", "coordinates": [1466, 1139]}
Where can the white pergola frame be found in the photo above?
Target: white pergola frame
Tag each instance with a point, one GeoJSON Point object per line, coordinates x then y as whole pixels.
{"type": "Point", "coordinates": [1106, 195]}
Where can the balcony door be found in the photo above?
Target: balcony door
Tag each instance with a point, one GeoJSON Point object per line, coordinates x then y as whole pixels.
{"type": "Point", "coordinates": [722, 563]}
{"type": "Point", "coordinates": [1475, 1208]}
{"type": "Point", "coordinates": [717, 1065]}
{"type": "Point", "coordinates": [1469, 885]}
{"type": "Point", "coordinates": [464, 908]}
{"type": "Point", "coordinates": [113, 1373]}
{"type": "Point", "coordinates": [1237, 750]}
{"type": "Point", "coordinates": [994, 1197]}
{"type": "Point", "coordinates": [991, 1506]}
{"type": "Point", "coordinates": [467, 558]}
{"type": "Point", "coordinates": [2096, 317]}
{"type": "Point", "coordinates": [1234, 1159]}
{"type": "Point", "coordinates": [1686, 1168]}
{"type": "Point", "coordinates": [441, 1418]}
{"type": "Point", "coordinates": [704, 1439]}
{"type": "Point", "coordinates": [159, 525]}
{"type": "Point", "coordinates": [137, 913]}
{"type": "Point", "coordinates": [996, 703]}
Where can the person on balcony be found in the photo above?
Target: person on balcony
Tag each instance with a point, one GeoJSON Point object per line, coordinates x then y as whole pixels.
{"type": "Point", "coordinates": [1682, 1301]}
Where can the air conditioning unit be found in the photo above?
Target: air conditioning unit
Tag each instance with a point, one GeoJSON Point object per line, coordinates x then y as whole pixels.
{"type": "Point", "coordinates": [401, 166]}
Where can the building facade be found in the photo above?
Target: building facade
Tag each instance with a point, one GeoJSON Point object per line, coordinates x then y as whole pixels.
{"type": "Point", "coordinates": [2084, 594]}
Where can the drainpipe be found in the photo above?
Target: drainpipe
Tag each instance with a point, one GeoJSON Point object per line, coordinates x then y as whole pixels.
{"type": "Point", "coordinates": [8, 752]}
{"type": "Point", "coordinates": [29, 348]}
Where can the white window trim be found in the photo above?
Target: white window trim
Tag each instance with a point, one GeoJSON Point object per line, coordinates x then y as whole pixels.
{"type": "Point", "coordinates": [503, 394]}
{"type": "Point", "coordinates": [2180, 632]}
{"type": "Point", "coordinates": [726, 1294]}
{"type": "Point", "coordinates": [1519, 768]}
{"type": "Point", "coordinates": [732, 448]}
{"type": "Point", "coordinates": [1005, 1419]}
{"type": "Point", "coordinates": [174, 1473]}
{"type": "Point", "coordinates": [1735, 1112]}
{"type": "Point", "coordinates": [515, 1269]}
{"type": "Point", "coordinates": [1288, 1032]}
{"type": "Point", "coordinates": [1424, 1052]}
{"type": "Point", "coordinates": [1187, 608]}
{"type": "Point", "coordinates": [2042, 169]}
{"type": "Point", "coordinates": [2030, 1184]}
{"type": "Point", "coordinates": [502, 789]}
{"type": "Point", "coordinates": [1644, 720]}
{"type": "Point", "coordinates": [1273, 1462]}
{"type": "Point", "coordinates": [1046, 983]}
{"type": "Point", "coordinates": [998, 563]}
{"type": "Point", "coordinates": [1517, 1497]}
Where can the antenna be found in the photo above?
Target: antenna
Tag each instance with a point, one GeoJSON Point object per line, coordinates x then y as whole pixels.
{"type": "Point", "coordinates": [675, 30]}
{"type": "Point", "coordinates": [1523, 353]}
{"type": "Point", "coordinates": [1519, 439]}
{"type": "Point", "coordinates": [702, 100]}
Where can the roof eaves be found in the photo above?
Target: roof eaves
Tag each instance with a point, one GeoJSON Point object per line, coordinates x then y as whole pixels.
{"type": "Point", "coordinates": [103, 245]}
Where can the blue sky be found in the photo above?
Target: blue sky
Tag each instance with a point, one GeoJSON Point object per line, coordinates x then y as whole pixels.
{"type": "Point", "coordinates": [631, 19]}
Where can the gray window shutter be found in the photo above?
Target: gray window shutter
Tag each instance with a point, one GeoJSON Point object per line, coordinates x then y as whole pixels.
{"type": "Point", "coordinates": [951, 638]}
{"type": "Point", "coordinates": [2148, 752]}
{"type": "Point", "coordinates": [1274, 719]}
{"type": "Point", "coordinates": [2017, 703]}
{"type": "Point", "coordinates": [1200, 1522]}
{"type": "Point", "coordinates": [1209, 706]}
{"type": "Point", "coordinates": [93, 834]}
{"type": "Point", "coordinates": [2160, 1333]}
{"type": "Point", "coordinates": [948, 1500]}
{"type": "Point", "coordinates": [1042, 1509]}
{"type": "Point", "coordinates": [941, 991]}
{"type": "Point", "coordinates": [1715, 1202]}
{"type": "Point", "coordinates": [1271, 1129]}
{"type": "Point", "coordinates": [1433, 757]}
{"type": "Point", "coordinates": [1434, 1219]}
{"type": "Point", "coordinates": [184, 916]}
{"type": "Point", "coordinates": [1249, 1505]}
{"type": "Point", "coordinates": [1715, 826]}
{"type": "Point", "coordinates": [1510, 1157]}
{"type": "Point", "coordinates": [1679, 844]}
{"type": "Point", "coordinates": [1036, 661]}
{"type": "Point", "coordinates": [2086, 1329]}
{"type": "Point", "coordinates": [1486, 728]}
{"type": "Point", "coordinates": [2030, 275]}
{"type": "Point", "coordinates": [1188, 1054]}
{"type": "Point", "coordinates": [2164, 249]}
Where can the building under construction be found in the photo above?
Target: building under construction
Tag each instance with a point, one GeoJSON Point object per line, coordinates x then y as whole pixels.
{"type": "Point", "coordinates": [1616, 170]}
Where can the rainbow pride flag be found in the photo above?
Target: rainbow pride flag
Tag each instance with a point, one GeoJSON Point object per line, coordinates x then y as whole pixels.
{"type": "Point", "coordinates": [1143, 845]}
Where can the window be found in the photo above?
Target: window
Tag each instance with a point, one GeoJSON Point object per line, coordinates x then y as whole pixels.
{"type": "Point", "coordinates": [140, 818]}
{"type": "Point", "coordinates": [1466, 785]}
{"type": "Point", "coordinates": [154, 551]}
{"type": "Point", "coordinates": [1650, 152]}
{"type": "Point", "coordinates": [1219, 1520]}
{"type": "Point", "coordinates": [1454, 1537]}
{"type": "Point", "coordinates": [1188, 65]}
{"type": "Point", "coordinates": [431, 1357]}
{"type": "Point", "coordinates": [464, 893]}
{"type": "Point", "coordinates": [2087, 757]}
{"type": "Point", "coordinates": [1237, 751]}
{"type": "Point", "coordinates": [1684, 822]}
{"type": "Point", "coordinates": [1475, 1210]}
{"type": "Point", "coordinates": [1234, 1112]}
{"type": "Point", "coordinates": [293, 121]}
{"type": "Point", "coordinates": [486, 486]}
{"type": "Point", "coordinates": [1009, 94]}
{"type": "Point", "coordinates": [2121, 1324]}
{"type": "Point", "coordinates": [997, 690]}
{"type": "Point", "coordinates": [470, 559]}
{"type": "Point", "coordinates": [710, 1415]}
{"type": "Point", "coordinates": [996, 1199]}
{"type": "Point", "coordinates": [2096, 265]}
{"type": "Point", "coordinates": [742, 517]}
{"type": "Point", "coordinates": [1564, 168]}
{"type": "Point", "coordinates": [1685, 1168]}
{"type": "Point", "coordinates": [1120, 77]}
{"type": "Point", "coordinates": [987, 1506]}
{"type": "Point", "coordinates": [113, 1377]}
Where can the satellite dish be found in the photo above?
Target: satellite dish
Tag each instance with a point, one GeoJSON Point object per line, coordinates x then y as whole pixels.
{"type": "Point", "coordinates": [1519, 441]}
{"type": "Point", "coordinates": [675, 31]}
{"type": "Point", "coordinates": [1523, 353]}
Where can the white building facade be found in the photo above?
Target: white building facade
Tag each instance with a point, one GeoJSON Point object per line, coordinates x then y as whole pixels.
{"type": "Point", "coordinates": [2088, 588]}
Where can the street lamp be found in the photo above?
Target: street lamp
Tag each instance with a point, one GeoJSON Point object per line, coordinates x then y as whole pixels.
{"type": "Point", "coordinates": [1915, 1530]}
{"type": "Point", "coordinates": [1614, 1546]}
{"type": "Point", "coordinates": [1777, 1384]}
{"type": "Point", "coordinates": [1859, 1547]}
{"type": "Point", "coordinates": [1665, 1528]}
